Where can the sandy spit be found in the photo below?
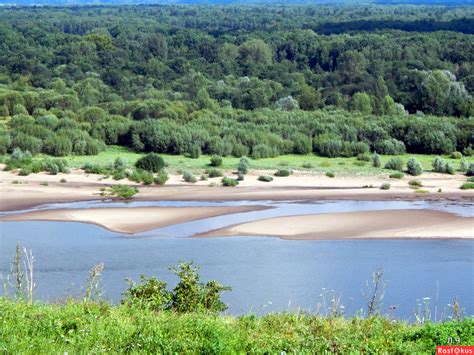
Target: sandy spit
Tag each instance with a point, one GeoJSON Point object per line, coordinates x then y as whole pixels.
{"type": "Point", "coordinates": [357, 225]}
{"type": "Point", "coordinates": [131, 220]}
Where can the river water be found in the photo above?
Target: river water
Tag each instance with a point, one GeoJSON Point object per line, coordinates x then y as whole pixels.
{"type": "Point", "coordinates": [266, 274]}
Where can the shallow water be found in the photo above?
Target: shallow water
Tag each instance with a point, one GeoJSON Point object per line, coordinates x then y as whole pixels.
{"type": "Point", "coordinates": [266, 274]}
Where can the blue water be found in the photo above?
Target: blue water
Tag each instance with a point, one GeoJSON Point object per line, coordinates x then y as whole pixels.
{"type": "Point", "coordinates": [266, 274]}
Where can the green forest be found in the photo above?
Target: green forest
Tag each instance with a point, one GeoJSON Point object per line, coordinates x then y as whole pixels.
{"type": "Point", "coordinates": [258, 81]}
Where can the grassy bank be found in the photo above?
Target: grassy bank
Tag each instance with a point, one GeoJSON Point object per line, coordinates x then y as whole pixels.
{"type": "Point", "coordinates": [307, 163]}
{"type": "Point", "coordinates": [81, 327]}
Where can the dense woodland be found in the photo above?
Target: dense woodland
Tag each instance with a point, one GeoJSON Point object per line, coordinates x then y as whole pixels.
{"type": "Point", "coordinates": [240, 80]}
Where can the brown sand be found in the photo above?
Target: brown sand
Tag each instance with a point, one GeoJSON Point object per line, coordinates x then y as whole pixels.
{"type": "Point", "coordinates": [366, 224]}
{"type": "Point", "coordinates": [20, 192]}
{"type": "Point", "coordinates": [130, 220]}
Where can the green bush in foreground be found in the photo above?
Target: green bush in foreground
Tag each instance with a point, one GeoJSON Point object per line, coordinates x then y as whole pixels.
{"type": "Point", "coordinates": [265, 178]}
{"type": "Point", "coordinates": [282, 173]}
{"type": "Point", "coordinates": [89, 327]}
{"type": "Point", "coordinates": [467, 186]}
{"type": "Point", "coordinates": [216, 160]}
{"type": "Point", "coordinates": [151, 162]}
{"type": "Point", "coordinates": [226, 181]}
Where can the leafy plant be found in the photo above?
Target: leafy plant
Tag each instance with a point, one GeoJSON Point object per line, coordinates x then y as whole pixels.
{"type": "Point", "coordinates": [216, 160]}
{"type": "Point", "coordinates": [124, 192]}
{"type": "Point", "coordinates": [226, 181]}
{"type": "Point", "coordinates": [189, 177]}
{"type": "Point", "coordinates": [151, 162]}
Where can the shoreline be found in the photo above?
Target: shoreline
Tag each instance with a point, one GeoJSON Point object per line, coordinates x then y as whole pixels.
{"type": "Point", "coordinates": [385, 224]}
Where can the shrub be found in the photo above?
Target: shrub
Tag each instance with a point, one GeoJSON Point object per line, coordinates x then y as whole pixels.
{"type": "Point", "coordinates": [414, 167]}
{"type": "Point", "coordinates": [397, 175]}
{"type": "Point", "coordinates": [226, 181]}
{"type": "Point", "coordinates": [240, 177]}
{"type": "Point", "coordinates": [25, 171]}
{"type": "Point", "coordinates": [147, 178]}
{"type": "Point", "coordinates": [123, 191]}
{"type": "Point", "coordinates": [376, 162]}
{"type": "Point", "coordinates": [282, 172]}
{"type": "Point", "coordinates": [119, 175]}
{"type": "Point", "coordinates": [463, 166]}
{"type": "Point", "coordinates": [470, 179]}
{"type": "Point", "coordinates": [261, 151]}
{"type": "Point", "coordinates": [63, 181]}
{"type": "Point", "coordinates": [265, 178]}
{"type": "Point", "coordinates": [456, 155]}
{"type": "Point", "coordinates": [307, 165]}
{"type": "Point", "coordinates": [390, 147]}
{"type": "Point", "coordinates": [150, 162]}
{"type": "Point", "coordinates": [449, 169]}
{"type": "Point", "coordinates": [195, 152]}
{"type": "Point", "coordinates": [136, 176]}
{"type": "Point", "coordinates": [470, 170]}
{"type": "Point", "coordinates": [91, 168]}
{"type": "Point", "coordinates": [213, 173]}
{"type": "Point", "coordinates": [421, 191]}
{"type": "Point", "coordinates": [395, 164]}
{"type": "Point", "coordinates": [44, 183]}
{"type": "Point", "coordinates": [359, 163]}
{"type": "Point", "coordinates": [161, 178]}
{"type": "Point", "coordinates": [325, 164]}
{"type": "Point", "coordinates": [189, 177]}
{"type": "Point", "coordinates": [243, 166]}
{"type": "Point", "coordinates": [467, 186]}
{"type": "Point", "coordinates": [363, 157]}
{"type": "Point", "coordinates": [203, 177]}
{"type": "Point", "coordinates": [330, 174]}
{"type": "Point", "coordinates": [439, 165]}
{"type": "Point", "coordinates": [51, 167]}
{"type": "Point", "coordinates": [58, 146]}
{"type": "Point", "coordinates": [415, 183]}
{"type": "Point", "coordinates": [119, 164]}
{"type": "Point", "coordinates": [216, 160]}
{"type": "Point", "coordinates": [385, 186]}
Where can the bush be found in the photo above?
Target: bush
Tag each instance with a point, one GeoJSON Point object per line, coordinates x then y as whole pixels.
{"type": "Point", "coordinates": [307, 165]}
{"type": "Point", "coordinates": [359, 163]}
{"type": "Point", "coordinates": [119, 164]}
{"type": "Point", "coordinates": [213, 173]}
{"type": "Point", "coordinates": [243, 166]}
{"type": "Point", "coordinates": [330, 174]}
{"type": "Point", "coordinates": [439, 165]}
{"type": "Point", "coordinates": [397, 175]}
{"type": "Point", "coordinates": [216, 160]}
{"type": "Point", "coordinates": [151, 162]}
{"type": "Point", "coordinates": [415, 183]}
{"type": "Point", "coordinates": [240, 177]}
{"type": "Point", "coordinates": [147, 178]}
{"type": "Point", "coordinates": [414, 167]}
{"type": "Point", "coordinates": [189, 177]}
{"type": "Point", "coordinates": [25, 171]}
{"type": "Point", "coordinates": [463, 166]}
{"type": "Point", "coordinates": [282, 172]}
{"type": "Point", "coordinates": [123, 191]}
{"type": "Point", "coordinates": [467, 186]}
{"type": "Point", "coordinates": [395, 164]}
{"type": "Point", "coordinates": [470, 170]}
{"type": "Point", "coordinates": [91, 168]}
{"type": "Point", "coordinates": [449, 169]}
{"type": "Point", "coordinates": [363, 157]}
{"type": "Point", "coordinates": [470, 179]}
{"type": "Point", "coordinates": [195, 152]}
{"type": "Point", "coordinates": [385, 186]}
{"type": "Point", "coordinates": [261, 151]}
{"type": "Point", "coordinates": [390, 147]}
{"type": "Point", "coordinates": [265, 178]}
{"type": "Point", "coordinates": [229, 182]}
{"type": "Point", "coordinates": [58, 146]}
{"type": "Point", "coordinates": [119, 175]}
{"type": "Point", "coordinates": [376, 162]}
{"type": "Point", "coordinates": [456, 155]}
{"type": "Point", "coordinates": [161, 178]}
{"type": "Point", "coordinates": [63, 181]}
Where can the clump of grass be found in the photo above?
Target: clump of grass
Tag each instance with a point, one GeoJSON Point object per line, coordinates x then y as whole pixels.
{"type": "Point", "coordinates": [415, 183]}
{"type": "Point", "coordinates": [124, 192]}
{"type": "Point", "coordinates": [282, 173]}
{"type": "Point", "coordinates": [307, 165]}
{"type": "Point", "coordinates": [283, 163]}
{"type": "Point", "coordinates": [359, 163]}
{"type": "Point", "coordinates": [330, 174]}
{"type": "Point", "coordinates": [203, 177]}
{"type": "Point", "coordinates": [44, 183]}
{"type": "Point", "coordinates": [325, 164]}
{"type": "Point", "coordinates": [385, 186]}
{"type": "Point", "coordinates": [63, 181]}
{"type": "Point", "coordinates": [467, 186]}
{"type": "Point", "coordinates": [216, 160]}
{"type": "Point", "coordinates": [189, 177]}
{"type": "Point", "coordinates": [226, 181]}
{"type": "Point", "coordinates": [470, 179]}
{"type": "Point", "coordinates": [363, 157]}
{"type": "Point", "coordinates": [265, 178]}
{"type": "Point", "coordinates": [213, 173]}
{"type": "Point", "coordinates": [161, 178]}
{"type": "Point", "coordinates": [421, 191]}
{"type": "Point", "coordinates": [397, 175]}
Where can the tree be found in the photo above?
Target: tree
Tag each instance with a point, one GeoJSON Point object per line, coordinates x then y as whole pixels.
{"type": "Point", "coordinates": [361, 102]}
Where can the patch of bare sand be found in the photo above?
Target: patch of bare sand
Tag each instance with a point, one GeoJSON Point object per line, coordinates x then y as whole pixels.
{"type": "Point", "coordinates": [133, 219]}
{"type": "Point", "coordinates": [366, 224]}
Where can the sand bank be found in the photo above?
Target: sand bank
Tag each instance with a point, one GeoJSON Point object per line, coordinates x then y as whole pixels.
{"type": "Point", "coordinates": [367, 224]}
{"type": "Point", "coordinates": [130, 220]}
{"type": "Point", "coordinates": [21, 192]}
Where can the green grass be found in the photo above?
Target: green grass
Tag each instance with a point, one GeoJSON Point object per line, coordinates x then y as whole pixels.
{"type": "Point", "coordinates": [85, 327]}
{"type": "Point", "coordinates": [467, 186]}
{"type": "Point", "coordinates": [311, 163]}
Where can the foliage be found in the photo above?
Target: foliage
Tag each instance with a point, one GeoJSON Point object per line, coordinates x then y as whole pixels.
{"type": "Point", "coordinates": [161, 178]}
{"type": "Point", "coordinates": [467, 186]}
{"type": "Point", "coordinates": [376, 162]}
{"type": "Point", "coordinates": [385, 186]}
{"type": "Point", "coordinates": [216, 160]}
{"type": "Point", "coordinates": [265, 178]}
{"type": "Point", "coordinates": [396, 175]}
{"type": "Point", "coordinates": [415, 183]}
{"type": "Point", "coordinates": [213, 173]}
{"type": "Point", "coordinates": [189, 177]}
{"type": "Point", "coordinates": [243, 166]}
{"type": "Point", "coordinates": [226, 181]}
{"type": "Point", "coordinates": [123, 191]}
{"type": "Point", "coordinates": [441, 166]}
{"type": "Point", "coordinates": [455, 155]}
{"type": "Point", "coordinates": [395, 164]}
{"type": "Point", "coordinates": [414, 167]}
{"type": "Point", "coordinates": [470, 170]}
{"type": "Point", "coordinates": [330, 174]}
{"type": "Point", "coordinates": [151, 162]}
{"type": "Point", "coordinates": [282, 172]}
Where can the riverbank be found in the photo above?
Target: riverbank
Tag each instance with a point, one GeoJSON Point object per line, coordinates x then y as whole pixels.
{"type": "Point", "coordinates": [357, 225]}
{"type": "Point", "coordinates": [131, 220]}
{"type": "Point", "coordinates": [21, 192]}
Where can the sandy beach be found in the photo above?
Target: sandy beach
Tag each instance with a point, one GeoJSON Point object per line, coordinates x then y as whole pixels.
{"type": "Point", "coordinates": [21, 192]}
{"type": "Point", "coordinates": [130, 220]}
{"type": "Point", "coordinates": [367, 224]}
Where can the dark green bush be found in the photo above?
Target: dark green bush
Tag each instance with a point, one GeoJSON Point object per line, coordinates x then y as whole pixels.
{"type": "Point", "coordinates": [151, 162]}
{"type": "Point", "coordinates": [385, 186]}
{"type": "Point", "coordinates": [123, 191]}
{"type": "Point", "coordinates": [265, 178]}
{"type": "Point", "coordinates": [395, 164]}
{"type": "Point", "coordinates": [226, 181]}
{"type": "Point", "coordinates": [376, 162]}
{"type": "Point", "coordinates": [282, 173]}
{"type": "Point", "coordinates": [467, 186]}
{"type": "Point", "coordinates": [397, 175]}
{"type": "Point", "coordinates": [243, 166]}
{"type": "Point", "coordinates": [363, 157]}
{"type": "Point", "coordinates": [161, 178]}
{"type": "Point", "coordinates": [216, 160]}
{"type": "Point", "coordinates": [58, 146]}
{"type": "Point", "coordinates": [455, 155]}
{"type": "Point", "coordinates": [195, 152]}
{"type": "Point", "coordinates": [330, 174]}
{"type": "Point", "coordinates": [470, 170]}
{"type": "Point", "coordinates": [414, 167]}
